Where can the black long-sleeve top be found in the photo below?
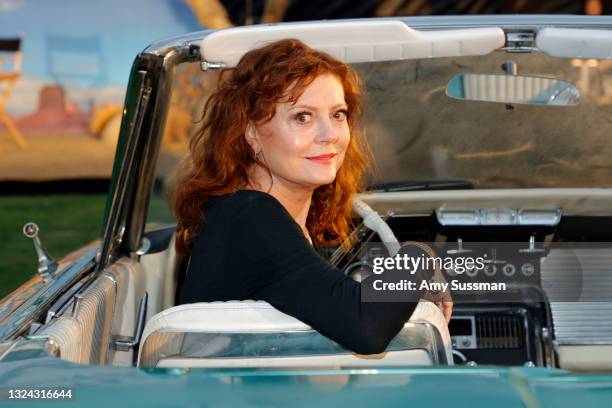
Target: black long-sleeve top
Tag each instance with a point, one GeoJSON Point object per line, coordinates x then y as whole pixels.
{"type": "Point", "coordinates": [249, 247]}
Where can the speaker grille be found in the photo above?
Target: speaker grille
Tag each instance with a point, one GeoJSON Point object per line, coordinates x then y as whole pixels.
{"type": "Point", "coordinates": [499, 331]}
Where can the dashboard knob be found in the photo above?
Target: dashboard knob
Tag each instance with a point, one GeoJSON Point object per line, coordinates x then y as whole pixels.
{"type": "Point", "coordinates": [490, 269]}
{"type": "Point", "coordinates": [509, 269]}
{"type": "Point", "coordinates": [527, 269]}
{"type": "Point", "coordinates": [471, 272]}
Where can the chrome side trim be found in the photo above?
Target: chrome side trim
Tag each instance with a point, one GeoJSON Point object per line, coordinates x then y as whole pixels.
{"type": "Point", "coordinates": [62, 302]}
{"type": "Point", "coordinates": [5, 348]}
{"type": "Point", "coordinates": [83, 335]}
{"type": "Point", "coordinates": [125, 343]}
{"type": "Point", "coordinates": [508, 22]}
{"type": "Point", "coordinates": [34, 307]}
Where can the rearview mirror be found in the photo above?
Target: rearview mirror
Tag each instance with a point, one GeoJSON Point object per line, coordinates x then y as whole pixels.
{"type": "Point", "coordinates": [513, 89]}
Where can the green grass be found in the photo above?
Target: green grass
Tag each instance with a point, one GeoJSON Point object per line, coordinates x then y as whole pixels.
{"type": "Point", "coordinates": [66, 223]}
{"type": "Point", "coordinates": [159, 210]}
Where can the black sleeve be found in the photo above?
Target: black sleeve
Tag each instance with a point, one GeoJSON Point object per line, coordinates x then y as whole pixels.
{"type": "Point", "coordinates": [279, 266]}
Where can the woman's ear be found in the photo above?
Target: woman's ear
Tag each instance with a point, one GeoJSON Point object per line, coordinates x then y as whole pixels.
{"type": "Point", "coordinates": [252, 138]}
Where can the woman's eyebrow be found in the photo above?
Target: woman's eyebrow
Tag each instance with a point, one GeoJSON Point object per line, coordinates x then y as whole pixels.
{"type": "Point", "coordinates": [314, 108]}
{"type": "Point", "coordinates": [302, 106]}
{"type": "Point", "coordinates": [340, 105]}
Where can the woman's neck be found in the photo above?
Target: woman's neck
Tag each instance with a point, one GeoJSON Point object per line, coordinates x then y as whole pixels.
{"type": "Point", "coordinates": [296, 200]}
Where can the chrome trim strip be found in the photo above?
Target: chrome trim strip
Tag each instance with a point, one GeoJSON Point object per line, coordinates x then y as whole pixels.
{"type": "Point", "coordinates": [62, 301]}
{"type": "Point", "coordinates": [33, 308]}
{"type": "Point", "coordinates": [7, 351]}
{"type": "Point", "coordinates": [499, 217]}
{"type": "Point", "coordinates": [525, 21]}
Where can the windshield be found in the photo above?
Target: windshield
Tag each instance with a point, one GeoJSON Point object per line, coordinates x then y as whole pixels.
{"type": "Point", "coordinates": [417, 132]}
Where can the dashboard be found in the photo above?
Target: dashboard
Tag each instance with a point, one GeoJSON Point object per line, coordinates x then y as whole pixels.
{"type": "Point", "coordinates": [524, 325]}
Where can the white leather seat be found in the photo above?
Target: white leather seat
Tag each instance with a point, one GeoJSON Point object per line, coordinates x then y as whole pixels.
{"type": "Point", "coordinates": [255, 334]}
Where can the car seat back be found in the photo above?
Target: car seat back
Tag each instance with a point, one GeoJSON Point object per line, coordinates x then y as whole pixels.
{"type": "Point", "coordinates": [255, 334]}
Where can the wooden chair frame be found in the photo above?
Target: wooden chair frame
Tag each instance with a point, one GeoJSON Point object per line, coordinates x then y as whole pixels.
{"type": "Point", "coordinates": [9, 77]}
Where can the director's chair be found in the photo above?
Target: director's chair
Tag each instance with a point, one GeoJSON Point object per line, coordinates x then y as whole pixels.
{"type": "Point", "coordinates": [10, 71]}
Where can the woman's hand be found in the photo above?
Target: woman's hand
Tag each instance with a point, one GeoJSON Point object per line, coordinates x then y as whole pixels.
{"type": "Point", "coordinates": [441, 298]}
{"type": "Point", "coordinates": [446, 307]}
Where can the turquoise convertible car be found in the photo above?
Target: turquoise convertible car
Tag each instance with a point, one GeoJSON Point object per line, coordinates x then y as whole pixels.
{"type": "Point", "coordinates": [484, 129]}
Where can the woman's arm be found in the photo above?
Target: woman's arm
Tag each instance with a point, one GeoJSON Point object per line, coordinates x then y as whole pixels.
{"type": "Point", "coordinates": [276, 264]}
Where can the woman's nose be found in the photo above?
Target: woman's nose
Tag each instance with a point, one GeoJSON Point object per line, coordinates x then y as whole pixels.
{"type": "Point", "coordinates": [327, 132]}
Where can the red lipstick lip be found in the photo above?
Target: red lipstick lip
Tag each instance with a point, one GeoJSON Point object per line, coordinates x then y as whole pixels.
{"type": "Point", "coordinates": [323, 157]}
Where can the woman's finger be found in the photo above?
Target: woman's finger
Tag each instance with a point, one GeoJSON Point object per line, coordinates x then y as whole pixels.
{"type": "Point", "coordinates": [447, 310]}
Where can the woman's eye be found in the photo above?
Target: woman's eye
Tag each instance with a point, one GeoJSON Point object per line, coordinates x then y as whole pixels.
{"type": "Point", "coordinates": [303, 117]}
{"type": "Point", "coordinates": [341, 114]}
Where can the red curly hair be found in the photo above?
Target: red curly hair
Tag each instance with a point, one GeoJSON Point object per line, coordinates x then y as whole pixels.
{"type": "Point", "coordinates": [220, 157]}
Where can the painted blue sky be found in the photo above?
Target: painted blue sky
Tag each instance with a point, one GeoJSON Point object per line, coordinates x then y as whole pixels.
{"type": "Point", "coordinates": [124, 27]}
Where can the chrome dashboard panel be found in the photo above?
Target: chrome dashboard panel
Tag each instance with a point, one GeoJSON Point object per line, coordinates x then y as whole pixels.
{"type": "Point", "coordinates": [498, 217]}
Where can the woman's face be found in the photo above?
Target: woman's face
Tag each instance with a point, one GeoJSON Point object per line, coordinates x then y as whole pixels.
{"type": "Point", "coordinates": [304, 143]}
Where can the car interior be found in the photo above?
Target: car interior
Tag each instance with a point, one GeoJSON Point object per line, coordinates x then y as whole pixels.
{"type": "Point", "coordinates": [216, 334]}
{"type": "Point", "coordinates": [549, 331]}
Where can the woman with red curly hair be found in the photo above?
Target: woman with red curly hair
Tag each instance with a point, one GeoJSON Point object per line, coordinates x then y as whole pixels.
{"type": "Point", "coordinates": [268, 181]}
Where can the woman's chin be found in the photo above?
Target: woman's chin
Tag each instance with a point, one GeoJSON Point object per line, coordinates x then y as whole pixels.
{"type": "Point", "coordinates": [322, 181]}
